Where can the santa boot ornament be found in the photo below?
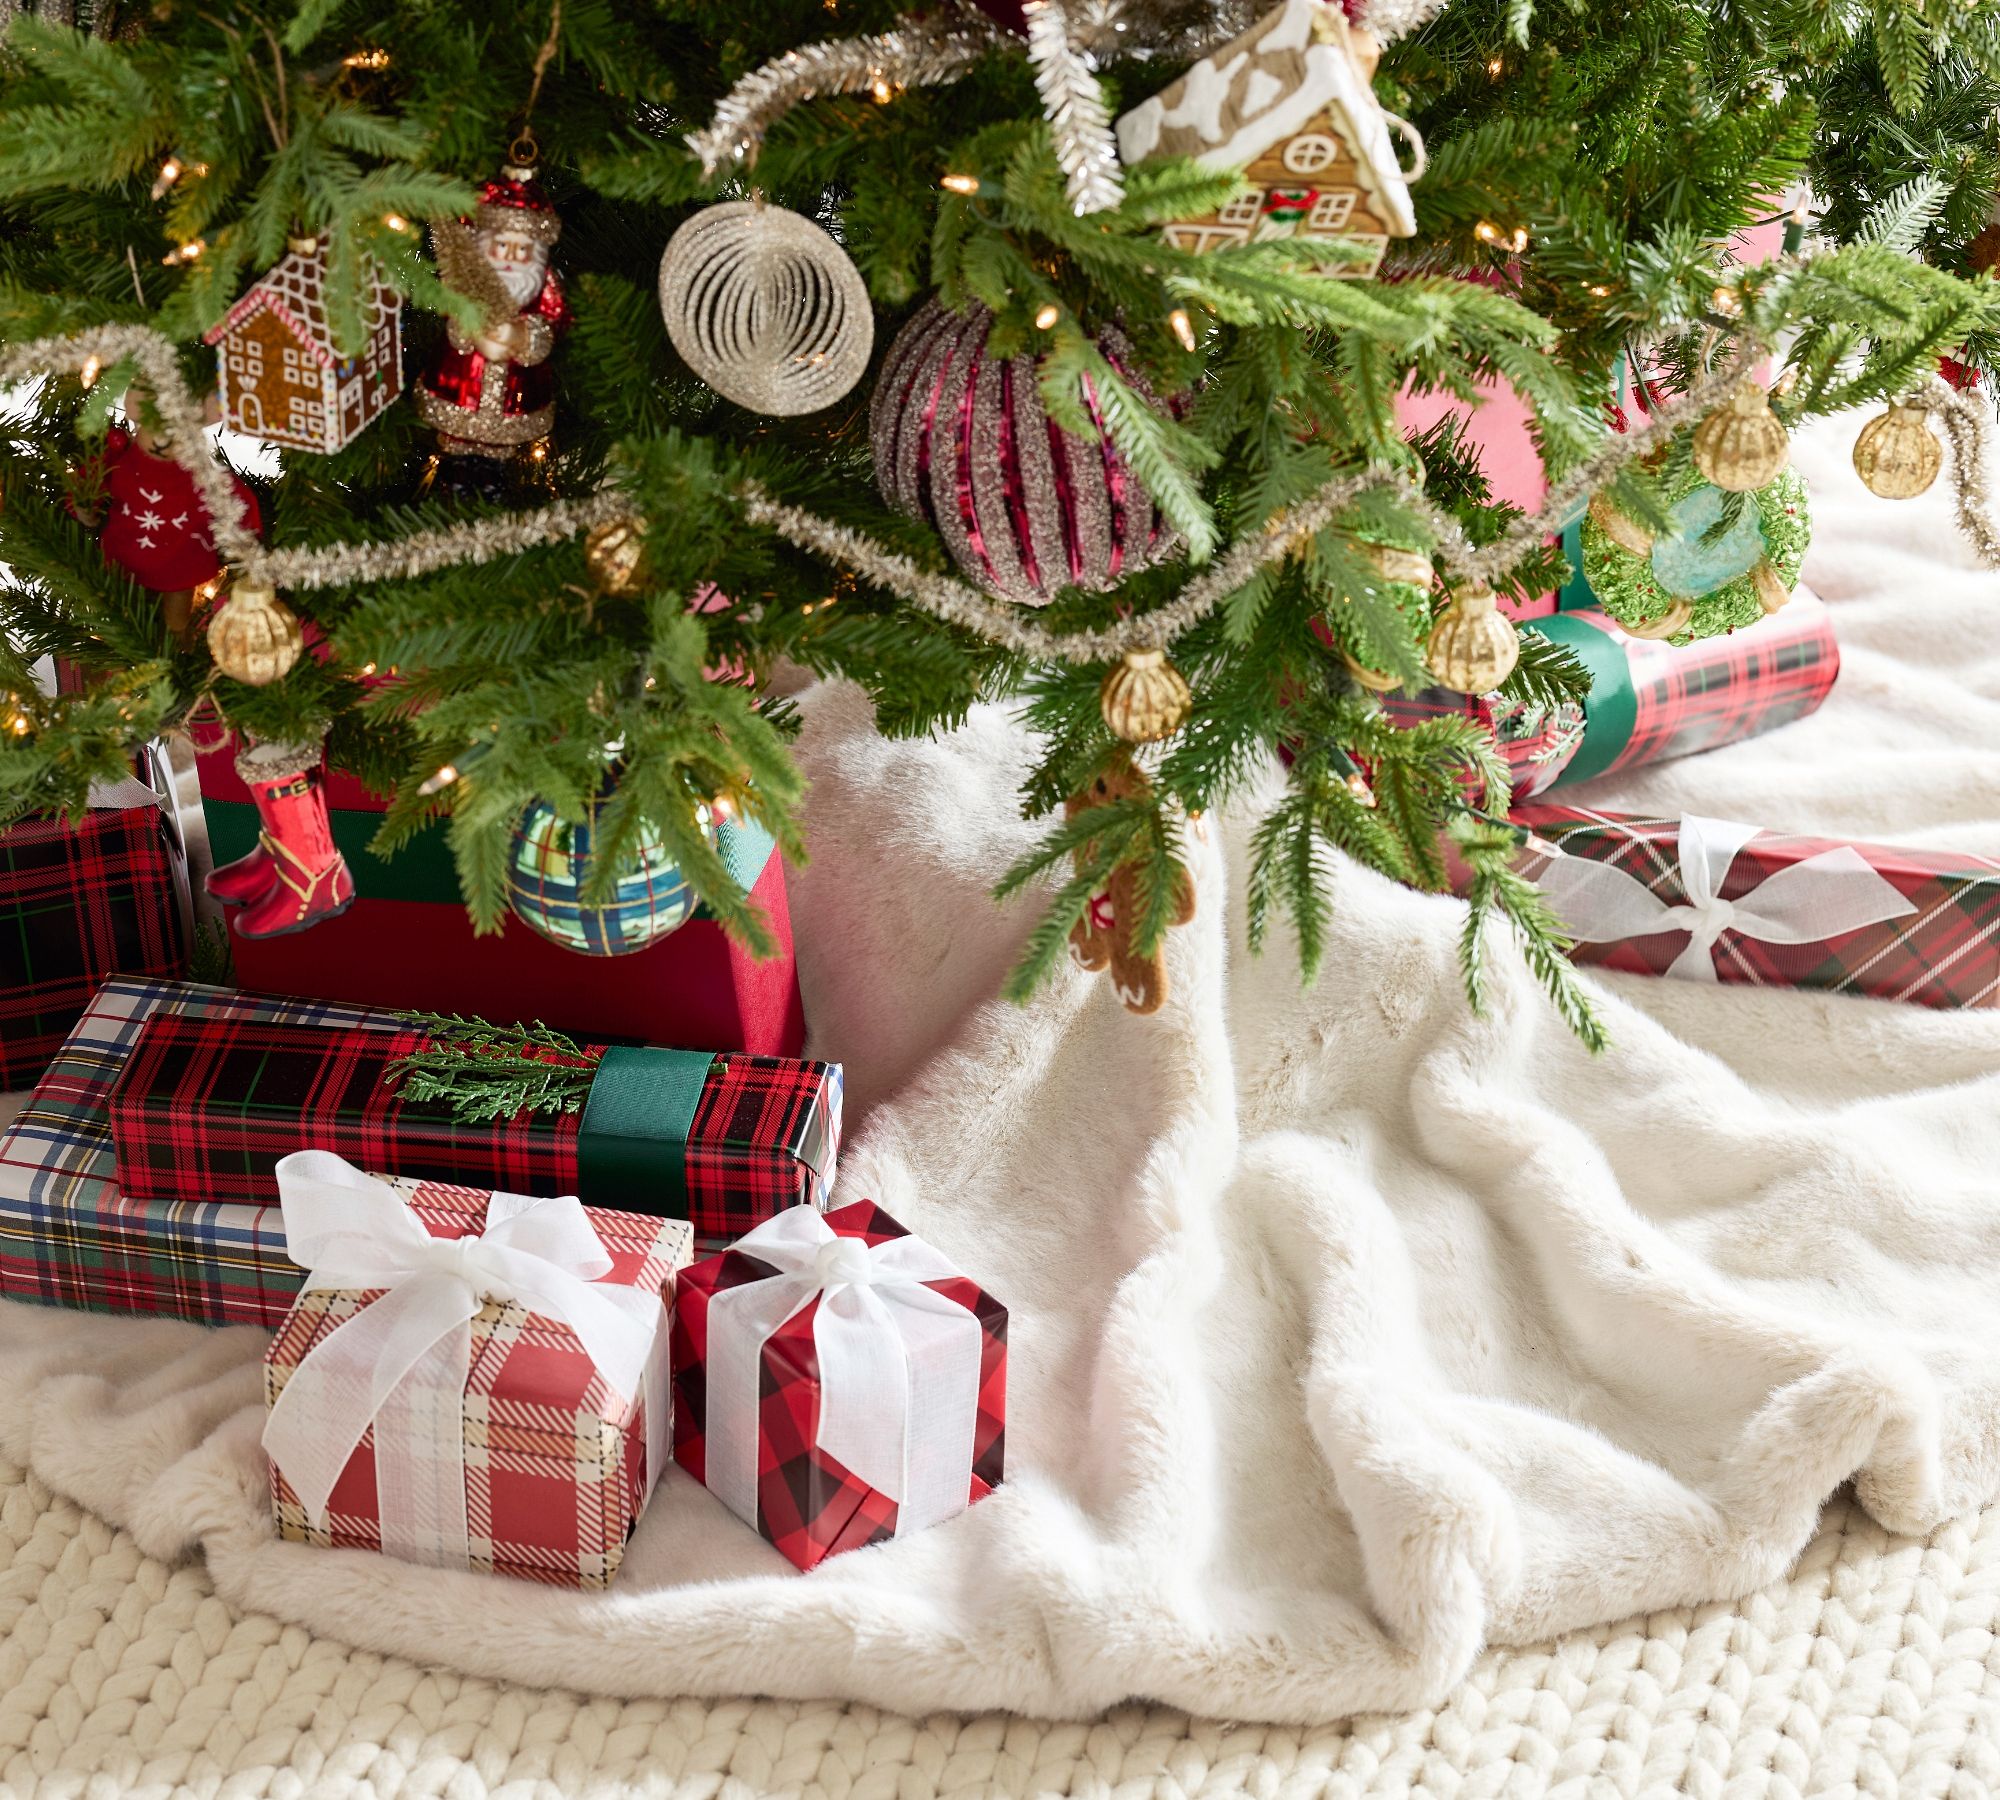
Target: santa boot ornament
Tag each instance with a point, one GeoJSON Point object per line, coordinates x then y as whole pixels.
{"type": "Point", "coordinates": [305, 878]}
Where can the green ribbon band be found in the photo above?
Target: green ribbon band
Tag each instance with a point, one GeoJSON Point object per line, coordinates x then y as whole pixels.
{"type": "Point", "coordinates": [1611, 714]}
{"type": "Point", "coordinates": [631, 1151]}
{"type": "Point", "coordinates": [423, 868]}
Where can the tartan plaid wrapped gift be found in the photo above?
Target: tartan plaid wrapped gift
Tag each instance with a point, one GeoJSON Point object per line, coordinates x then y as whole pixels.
{"type": "Point", "coordinates": [209, 1105]}
{"type": "Point", "coordinates": [1651, 701]}
{"type": "Point", "coordinates": [70, 1236]}
{"type": "Point", "coordinates": [518, 1435]}
{"type": "Point", "coordinates": [80, 901]}
{"type": "Point", "coordinates": [838, 1382]}
{"type": "Point", "coordinates": [1711, 900]}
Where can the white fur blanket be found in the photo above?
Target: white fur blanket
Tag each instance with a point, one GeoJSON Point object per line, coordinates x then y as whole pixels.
{"type": "Point", "coordinates": [1349, 1331]}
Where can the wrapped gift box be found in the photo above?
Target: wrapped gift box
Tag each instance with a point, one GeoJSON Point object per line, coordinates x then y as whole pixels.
{"type": "Point", "coordinates": [1651, 701]}
{"type": "Point", "coordinates": [1711, 900]}
{"type": "Point", "coordinates": [70, 1236]}
{"type": "Point", "coordinates": [408, 941]}
{"type": "Point", "coordinates": [80, 902]}
{"type": "Point", "coordinates": [209, 1104]}
{"type": "Point", "coordinates": [757, 1420]}
{"type": "Point", "coordinates": [513, 1453]}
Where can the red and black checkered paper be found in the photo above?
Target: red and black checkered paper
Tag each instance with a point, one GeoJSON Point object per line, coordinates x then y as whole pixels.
{"type": "Point", "coordinates": [556, 1471]}
{"type": "Point", "coordinates": [1687, 697]}
{"type": "Point", "coordinates": [79, 903]}
{"type": "Point", "coordinates": [1946, 954]}
{"type": "Point", "coordinates": [808, 1504]}
{"type": "Point", "coordinates": [208, 1106]}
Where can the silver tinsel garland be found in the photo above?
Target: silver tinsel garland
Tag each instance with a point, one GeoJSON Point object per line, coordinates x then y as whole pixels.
{"type": "Point", "coordinates": [918, 52]}
{"type": "Point", "coordinates": [486, 540]}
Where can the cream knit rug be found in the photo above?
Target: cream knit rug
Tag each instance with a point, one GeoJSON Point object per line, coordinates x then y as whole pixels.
{"type": "Point", "coordinates": [1873, 1670]}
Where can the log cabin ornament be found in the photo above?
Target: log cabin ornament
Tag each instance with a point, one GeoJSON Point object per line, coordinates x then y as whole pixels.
{"type": "Point", "coordinates": [1292, 104]}
{"type": "Point", "coordinates": [279, 372]}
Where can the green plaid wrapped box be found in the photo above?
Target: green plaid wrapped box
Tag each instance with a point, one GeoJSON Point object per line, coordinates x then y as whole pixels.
{"type": "Point", "coordinates": [80, 900]}
{"type": "Point", "coordinates": [1711, 900]}
{"type": "Point", "coordinates": [70, 1237]}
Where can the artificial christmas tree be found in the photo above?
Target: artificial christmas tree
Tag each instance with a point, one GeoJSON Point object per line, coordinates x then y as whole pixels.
{"type": "Point", "coordinates": [1184, 452]}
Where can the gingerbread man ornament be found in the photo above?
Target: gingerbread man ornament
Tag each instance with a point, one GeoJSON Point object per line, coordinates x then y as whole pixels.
{"type": "Point", "coordinates": [1102, 938]}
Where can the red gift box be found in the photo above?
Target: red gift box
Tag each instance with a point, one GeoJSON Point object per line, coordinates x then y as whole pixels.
{"type": "Point", "coordinates": [408, 942]}
{"type": "Point", "coordinates": [80, 902]}
{"type": "Point", "coordinates": [1651, 701]}
{"type": "Point", "coordinates": [558, 1465]}
{"type": "Point", "coordinates": [1707, 899]}
{"type": "Point", "coordinates": [209, 1104]}
{"type": "Point", "coordinates": [793, 1489]}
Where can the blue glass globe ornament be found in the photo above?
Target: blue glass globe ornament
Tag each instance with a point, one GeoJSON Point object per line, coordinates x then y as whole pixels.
{"type": "Point", "coordinates": [549, 861]}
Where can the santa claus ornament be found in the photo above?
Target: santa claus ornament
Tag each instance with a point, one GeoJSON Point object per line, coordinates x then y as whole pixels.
{"type": "Point", "coordinates": [489, 391]}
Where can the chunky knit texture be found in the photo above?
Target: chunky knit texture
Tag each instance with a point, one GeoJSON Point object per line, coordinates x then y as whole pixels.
{"type": "Point", "coordinates": [1873, 1670]}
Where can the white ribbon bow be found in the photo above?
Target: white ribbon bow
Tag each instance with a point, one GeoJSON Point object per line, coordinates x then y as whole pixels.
{"type": "Point", "coordinates": [898, 1366]}
{"type": "Point", "coordinates": [401, 1364]}
{"type": "Point", "coordinates": [1822, 897]}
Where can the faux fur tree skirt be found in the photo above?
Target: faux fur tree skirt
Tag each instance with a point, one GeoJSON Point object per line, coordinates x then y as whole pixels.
{"type": "Point", "coordinates": [1350, 1332]}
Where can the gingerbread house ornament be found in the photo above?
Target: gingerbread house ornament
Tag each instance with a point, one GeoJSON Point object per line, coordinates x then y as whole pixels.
{"type": "Point", "coordinates": [280, 374]}
{"type": "Point", "coordinates": [1292, 104]}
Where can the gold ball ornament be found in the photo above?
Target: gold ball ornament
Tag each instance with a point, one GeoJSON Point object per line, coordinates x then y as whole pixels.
{"type": "Point", "coordinates": [255, 636]}
{"type": "Point", "coordinates": [1742, 446]}
{"type": "Point", "coordinates": [1145, 698]}
{"type": "Point", "coordinates": [1472, 648]}
{"type": "Point", "coordinates": [1898, 455]}
{"type": "Point", "coordinates": [615, 553]}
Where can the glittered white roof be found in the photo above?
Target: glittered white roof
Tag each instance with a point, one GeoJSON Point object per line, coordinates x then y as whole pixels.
{"type": "Point", "coordinates": [1276, 80]}
{"type": "Point", "coordinates": [295, 291]}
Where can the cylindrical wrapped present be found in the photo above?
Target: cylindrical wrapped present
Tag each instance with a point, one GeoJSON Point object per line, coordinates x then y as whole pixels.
{"type": "Point", "coordinates": [1651, 701]}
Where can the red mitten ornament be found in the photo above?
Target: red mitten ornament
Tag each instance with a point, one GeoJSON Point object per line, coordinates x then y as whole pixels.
{"type": "Point", "coordinates": [156, 527]}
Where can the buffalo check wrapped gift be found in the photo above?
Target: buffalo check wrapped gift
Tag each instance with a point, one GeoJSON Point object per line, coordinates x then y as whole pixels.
{"type": "Point", "coordinates": [470, 1379]}
{"type": "Point", "coordinates": [80, 901]}
{"type": "Point", "coordinates": [1650, 701]}
{"type": "Point", "coordinates": [207, 1105]}
{"type": "Point", "coordinates": [838, 1382]}
{"type": "Point", "coordinates": [70, 1235]}
{"type": "Point", "coordinates": [1711, 900]}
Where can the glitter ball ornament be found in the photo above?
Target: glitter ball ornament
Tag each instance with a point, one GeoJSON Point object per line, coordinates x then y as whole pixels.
{"type": "Point", "coordinates": [551, 859]}
{"type": "Point", "coordinates": [1898, 455]}
{"type": "Point", "coordinates": [1741, 446]}
{"type": "Point", "coordinates": [1406, 582]}
{"type": "Point", "coordinates": [255, 637]}
{"type": "Point", "coordinates": [1472, 649]}
{"type": "Point", "coordinates": [615, 553]}
{"type": "Point", "coordinates": [962, 441]}
{"type": "Point", "coordinates": [1145, 698]}
{"type": "Point", "coordinates": [766, 308]}
{"type": "Point", "coordinates": [1706, 576]}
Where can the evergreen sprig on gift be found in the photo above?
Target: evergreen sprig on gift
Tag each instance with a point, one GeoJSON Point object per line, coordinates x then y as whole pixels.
{"type": "Point", "coordinates": [485, 1072]}
{"type": "Point", "coordinates": [1589, 168]}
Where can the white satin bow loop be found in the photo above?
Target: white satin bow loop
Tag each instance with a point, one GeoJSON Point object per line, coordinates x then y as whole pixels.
{"type": "Point", "coordinates": [401, 1364]}
{"type": "Point", "coordinates": [1822, 897]}
{"type": "Point", "coordinates": [898, 1365]}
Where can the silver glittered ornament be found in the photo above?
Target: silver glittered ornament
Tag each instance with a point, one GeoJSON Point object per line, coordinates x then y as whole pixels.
{"type": "Point", "coordinates": [766, 308]}
{"type": "Point", "coordinates": [962, 441]}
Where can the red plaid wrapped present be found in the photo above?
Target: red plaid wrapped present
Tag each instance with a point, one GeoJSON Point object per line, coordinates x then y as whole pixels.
{"type": "Point", "coordinates": [797, 1406]}
{"type": "Point", "coordinates": [80, 902]}
{"type": "Point", "coordinates": [208, 1105]}
{"type": "Point", "coordinates": [1652, 701]}
{"type": "Point", "coordinates": [1709, 900]}
{"type": "Point", "coordinates": [521, 1349]}
{"type": "Point", "coordinates": [407, 940]}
